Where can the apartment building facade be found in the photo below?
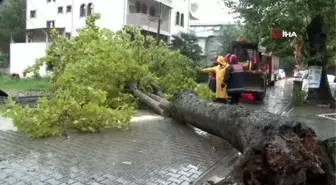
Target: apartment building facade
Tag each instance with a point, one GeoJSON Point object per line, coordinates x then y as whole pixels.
{"type": "Point", "coordinates": [67, 16]}
{"type": "Point", "coordinates": [207, 33]}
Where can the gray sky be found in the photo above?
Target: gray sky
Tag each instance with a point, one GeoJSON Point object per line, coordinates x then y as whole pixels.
{"type": "Point", "coordinates": [210, 10]}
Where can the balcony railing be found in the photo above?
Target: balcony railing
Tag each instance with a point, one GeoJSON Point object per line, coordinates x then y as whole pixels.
{"type": "Point", "coordinates": [147, 22]}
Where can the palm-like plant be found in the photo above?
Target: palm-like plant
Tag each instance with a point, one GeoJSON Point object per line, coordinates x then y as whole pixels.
{"type": "Point", "coordinates": [187, 44]}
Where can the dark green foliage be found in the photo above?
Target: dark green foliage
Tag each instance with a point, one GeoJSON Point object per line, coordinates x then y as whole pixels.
{"type": "Point", "coordinates": [187, 44]}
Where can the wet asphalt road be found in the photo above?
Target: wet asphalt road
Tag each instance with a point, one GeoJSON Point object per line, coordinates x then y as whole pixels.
{"type": "Point", "coordinates": [276, 100]}
{"type": "Point", "coordinates": [155, 151]}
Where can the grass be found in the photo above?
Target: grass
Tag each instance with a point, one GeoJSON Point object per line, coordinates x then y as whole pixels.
{"type": "Point", "coordinates": [25, 83]}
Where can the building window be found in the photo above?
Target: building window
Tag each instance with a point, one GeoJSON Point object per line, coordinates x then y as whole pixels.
{"type": "Point", "coordinates": [138, 7]}
{"type": "Point", "coordinates": [177, 19]}
{"type": "Point", "coordinates": [50, 24]}
{"type": "Point", "coordinates": [152, 11]}
{"type": "Point", "coordinates": [68, 35]}
{"type": "Point", "coordinates": [60, 10]}
{"type": "Point", "coordinates": [182, 20]}
{"type": "Point", "coordinates": [68, 9]}
{"type": "Point", "coordinates": [30, 38]}
{"type": "Point", "coordinates": [131, 8]}
{"type": "Point", "coordinates": [82, 10]}
{"type": "Point", "coordinates": [144, 9]}
{"type": "Point", "coordinates": [90, 9]}
{"type": "Point", "coordinates": [33, 14]}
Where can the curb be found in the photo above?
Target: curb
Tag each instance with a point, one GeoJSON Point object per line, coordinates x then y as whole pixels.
{"type": "Point", "coordinates": [285, 110]}
{"type": "Point", "coordinates": [219, 171]}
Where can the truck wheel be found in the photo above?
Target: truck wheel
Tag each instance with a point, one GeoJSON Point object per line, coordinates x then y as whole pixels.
{"type": "Point", "coordinates": [272, 83]}
{"type": "Point", "coordinates": [259, 96]}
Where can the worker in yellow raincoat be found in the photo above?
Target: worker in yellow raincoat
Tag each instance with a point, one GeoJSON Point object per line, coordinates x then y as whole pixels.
{"type": "Point", "coordinates": [221, 94]}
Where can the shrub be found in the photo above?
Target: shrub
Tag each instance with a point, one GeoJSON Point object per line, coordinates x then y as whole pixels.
{"type": "Point", "coordinates": [298, 97]}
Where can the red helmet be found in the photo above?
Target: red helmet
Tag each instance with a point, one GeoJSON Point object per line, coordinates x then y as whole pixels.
{"type": "Point", "coordinates": [233, 59]}
{"type": "Point", "coordinates": [227, 56]}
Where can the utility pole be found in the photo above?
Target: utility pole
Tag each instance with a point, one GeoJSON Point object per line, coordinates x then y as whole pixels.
{"type": "Point", "coordinates": [159, 25]}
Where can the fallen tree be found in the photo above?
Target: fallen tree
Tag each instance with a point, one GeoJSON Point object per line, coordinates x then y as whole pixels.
{"type": "Point", "coordinates": [277, 150]}
{"type": "Point", "coordinates": [88, 95]}
{"type": "Point", "coordinates": [88, 76]}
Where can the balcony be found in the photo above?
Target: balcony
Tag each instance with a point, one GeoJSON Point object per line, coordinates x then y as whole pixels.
{"type": "Point", "coordinates": [147, 22]}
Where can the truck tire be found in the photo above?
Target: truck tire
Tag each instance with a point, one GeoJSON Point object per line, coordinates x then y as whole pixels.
{"type": "Point", "coordinates": [272, 83]}
{"type": "Point", "coordinates": [259, 96]}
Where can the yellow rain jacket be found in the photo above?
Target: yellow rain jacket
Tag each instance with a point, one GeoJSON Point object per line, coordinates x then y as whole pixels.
{"type": "Point", "coordinates": [220, 73]}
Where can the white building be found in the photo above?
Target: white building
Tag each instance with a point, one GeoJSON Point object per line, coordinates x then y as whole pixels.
{"type": "Point", "coordinates": [207, 33]}
{"type": "Point", "coordinates": [68, 15]}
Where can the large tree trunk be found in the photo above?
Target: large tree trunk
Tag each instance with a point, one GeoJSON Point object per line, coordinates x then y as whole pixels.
{"type": "Point", "coordinates": [318, 57]}
{"type": "Point", "coordinates": [277, 150]}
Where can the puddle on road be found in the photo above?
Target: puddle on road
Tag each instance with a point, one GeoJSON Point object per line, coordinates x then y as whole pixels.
{"type": "Point", "coordinates": [6, 124]}
{"type": "Point", "coordinates": [200, 132]}
{"type": "Point", "coordinates": [146, 118]}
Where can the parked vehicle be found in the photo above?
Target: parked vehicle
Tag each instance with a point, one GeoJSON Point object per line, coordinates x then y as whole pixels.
{"type": "Point", "coordinates": [331, 81]}
{"type": "Point", "coordinates": [300, 73]}
{"type": "Point", "coordinates": [281, 74]}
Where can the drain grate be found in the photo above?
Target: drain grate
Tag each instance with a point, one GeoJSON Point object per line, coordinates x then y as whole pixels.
{"type": "Point", "coordinates": [331, 116]}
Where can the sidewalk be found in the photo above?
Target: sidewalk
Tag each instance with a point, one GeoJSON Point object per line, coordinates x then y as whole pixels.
{"type": "Point", "coordinates": [155, 151]}
{"type": "Point", "coordinates": [322, 120]}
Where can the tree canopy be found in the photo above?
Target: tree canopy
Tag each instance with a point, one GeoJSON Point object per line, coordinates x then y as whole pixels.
{"type": "Point", "coordinates": [89, 76]}
{"type": "Point", "coordinates": [261, 16]}
{"type": "Point", "coordinates": [228, 34]}
{"type": "Point", "coordinates": [12, 23]}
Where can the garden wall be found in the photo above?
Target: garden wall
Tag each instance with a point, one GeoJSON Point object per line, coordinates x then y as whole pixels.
{"type": "Point", "coordinates": [23, 55]}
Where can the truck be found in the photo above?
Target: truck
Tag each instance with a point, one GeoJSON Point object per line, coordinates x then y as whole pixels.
{"type": "Point", "coordinates": [261, 69]}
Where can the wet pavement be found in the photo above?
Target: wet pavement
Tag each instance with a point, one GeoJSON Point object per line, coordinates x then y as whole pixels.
{"type": "Point", "coordinates": [322, 120]}
{"type": "Point", "coordinates": [276, 99]}
{"type": "Point", "coordinates": [155, 151]}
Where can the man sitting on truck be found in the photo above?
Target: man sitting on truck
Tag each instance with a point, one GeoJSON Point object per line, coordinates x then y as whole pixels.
{"type": "Point", "coordinates": [234, 80]}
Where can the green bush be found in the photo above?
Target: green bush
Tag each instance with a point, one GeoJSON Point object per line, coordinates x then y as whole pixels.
{"type": "Point", "coordinates": [89, 74]}
{"type": "Point", "coordinates": [298, 97]}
